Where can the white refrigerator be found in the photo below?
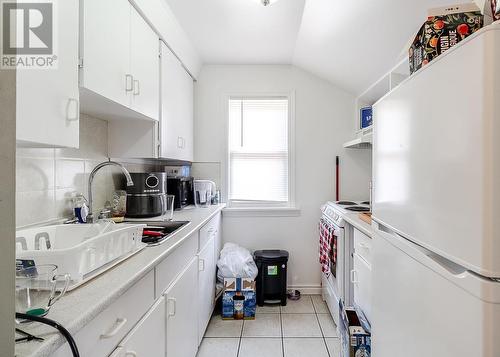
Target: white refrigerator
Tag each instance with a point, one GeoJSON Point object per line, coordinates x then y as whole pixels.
{"type": "Point", "coordinates": [436, 207]}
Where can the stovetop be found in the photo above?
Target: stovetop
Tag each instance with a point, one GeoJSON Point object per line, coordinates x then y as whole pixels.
{"type": "Point", "coordinates": [336, 210]}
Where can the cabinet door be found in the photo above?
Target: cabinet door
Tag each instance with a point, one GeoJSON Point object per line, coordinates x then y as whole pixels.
{"type": "Point", "coordinates": [105, 49]}
{"type": "Point", "coordinates": [206, 286]}
{"type": "Point", "coordinates": [147, 339]}
{"type": "Point", "coordinates": [177, 108]}
{"type": "Point", "coordinates": [187, 110]}
{"type": "Point", "coordinates": [182, 313]}
{"type": "Point", "coordinates": [47, 99]}
{"type": "Point", "coordinates": [145, 67]}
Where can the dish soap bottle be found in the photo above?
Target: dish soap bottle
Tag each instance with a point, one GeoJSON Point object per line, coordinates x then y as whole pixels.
{"type": "Point", "coordinates": [81, 209]}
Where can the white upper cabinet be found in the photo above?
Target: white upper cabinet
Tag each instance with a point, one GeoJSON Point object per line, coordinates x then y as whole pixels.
{"type": "Point", "coordinates": [47, 99]}
{"type": "Point", "coordinates": [119, 73]}
{"type": "Point", "coordinates": [145, 67]}
{"type": "Point", "coordinates": [105, 49]}
{"type": "Point", "coordinates": [176, 124]}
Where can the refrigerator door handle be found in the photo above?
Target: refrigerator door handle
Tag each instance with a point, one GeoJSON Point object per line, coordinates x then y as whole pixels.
{"type": "Point", "coordinates": [434, 261]}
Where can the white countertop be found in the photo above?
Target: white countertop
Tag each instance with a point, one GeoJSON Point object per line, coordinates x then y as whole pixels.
{"type": "Point", "coordinates": [78, 307]}
{"type": "Point", "coordinates": [354, 220]}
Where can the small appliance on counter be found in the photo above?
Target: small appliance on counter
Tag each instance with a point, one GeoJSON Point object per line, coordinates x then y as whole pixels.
{"type": "Point", "coordinates": [204, 191]}
{"type": "Point", "coordinates": [148, 196]}
{"type": "Point", "coordinates": [182, 188]}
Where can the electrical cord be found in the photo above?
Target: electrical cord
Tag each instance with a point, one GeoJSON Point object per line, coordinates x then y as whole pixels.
{"type": "Point", "coordinates": [54, 324]}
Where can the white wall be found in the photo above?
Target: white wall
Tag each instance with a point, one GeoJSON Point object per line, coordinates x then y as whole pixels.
{"type": "Point", "coordinates": [323, 120]}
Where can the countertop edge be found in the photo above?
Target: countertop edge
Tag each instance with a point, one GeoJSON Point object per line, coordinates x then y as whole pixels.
{"type": "Point", "coordinates": [56, 340]}
{"type": "Point", "coordinates": [356, 222]}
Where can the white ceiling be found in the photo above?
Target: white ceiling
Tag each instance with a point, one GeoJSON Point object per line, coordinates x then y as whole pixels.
{"type": "Point", "coordinates": [348, 42]}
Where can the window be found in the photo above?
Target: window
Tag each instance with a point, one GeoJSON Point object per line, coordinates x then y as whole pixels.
{"type": "Point", "coordinates": [259, 160]}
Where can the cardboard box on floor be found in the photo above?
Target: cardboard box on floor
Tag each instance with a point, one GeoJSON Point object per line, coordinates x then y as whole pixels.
{"type": "Point", "coordinates": [355, 341]}
{"type": "Point", "coordinates": [238, 287]}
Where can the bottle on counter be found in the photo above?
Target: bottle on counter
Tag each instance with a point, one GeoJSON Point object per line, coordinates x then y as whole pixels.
{"type": "Point", "coordinates": [81, 210]}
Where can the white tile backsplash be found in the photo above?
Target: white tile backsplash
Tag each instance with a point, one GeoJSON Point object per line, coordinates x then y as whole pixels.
{"type": "Point", "coordinates": [70, 173]}
{"type": "Point", "coordinates": [47, 179]}
{"type": "Point", "coordinates": [34, 174]}
{"type": "Point", "coordinates": [33, 207]}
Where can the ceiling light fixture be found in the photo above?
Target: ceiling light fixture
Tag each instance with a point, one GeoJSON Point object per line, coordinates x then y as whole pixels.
{"type": "Point", "coordinates": [266, 2]}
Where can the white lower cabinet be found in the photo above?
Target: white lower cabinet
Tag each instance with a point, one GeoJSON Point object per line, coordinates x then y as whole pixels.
{"type": "Point", "coordinates": [101, 336]}
{"type": "Point", "coordinates": [206, 286]}
{"type": "Point", "coordinates": [147, 339]}
{"type": "Point", "coordinates": [165, 313]}
{"type": "Point", "coordinates": [361, 277]}
{"type": "Point", "coordinates": [182, 313]}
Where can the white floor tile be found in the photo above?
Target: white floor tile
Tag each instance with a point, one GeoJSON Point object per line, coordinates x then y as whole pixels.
{"type": "Point", "coordinates": [319, 305]}
{"type": "Point", "coordinates": [224, 328]}
{"type": "Point", "coordinates": [301, 347]}
{"type": "Point", "coordinates": [328, 326]}
{"type": "Point", "coordinates": [264, 325]}
{"type": "Point", "coordinates": [302, 306]}
{"type": "Point", "coordinates": [261, 347]}
{"type": "Point", "coordinates": [333, 345]}
{"type": "Point", "coordinates": [216, 347]}
{"type": "Point", "coordinates": [300, 325]}
{"type": "Point", "coordinates": [268, 309]}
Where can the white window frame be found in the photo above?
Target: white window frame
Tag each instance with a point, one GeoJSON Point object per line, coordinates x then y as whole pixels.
{"type": "Point", "coordinates": [266, 207]}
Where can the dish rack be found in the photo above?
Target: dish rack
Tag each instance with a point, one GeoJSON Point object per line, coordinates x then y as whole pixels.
{"type": "Point", "coordinates": [81, 250]}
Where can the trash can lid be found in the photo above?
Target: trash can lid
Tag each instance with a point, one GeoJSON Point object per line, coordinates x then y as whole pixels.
{"type": "Point", "coordinates": [271, 254]}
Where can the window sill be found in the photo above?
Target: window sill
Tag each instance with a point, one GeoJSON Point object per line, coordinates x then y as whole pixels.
{"type": "Point", "coordinates": [261, 212]}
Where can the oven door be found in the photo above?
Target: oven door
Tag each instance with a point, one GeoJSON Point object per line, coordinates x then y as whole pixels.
{"type": "Point", "coordinates": [333, 284]}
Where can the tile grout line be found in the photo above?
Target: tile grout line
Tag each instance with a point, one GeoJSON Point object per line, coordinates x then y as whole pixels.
{"type": "Point", "coordinates": [241, 336]}
{"type": "Point", "coordinates": [321, 328]}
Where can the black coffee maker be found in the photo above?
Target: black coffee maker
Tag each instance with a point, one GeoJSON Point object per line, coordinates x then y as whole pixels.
{"type": "Point", "coordinates": [148, 196]}
{"type": "Point", "coordinates": [182, 188]}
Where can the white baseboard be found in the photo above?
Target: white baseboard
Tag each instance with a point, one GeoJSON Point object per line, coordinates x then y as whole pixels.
{"type": "Point", "coordinates": [306, 289]}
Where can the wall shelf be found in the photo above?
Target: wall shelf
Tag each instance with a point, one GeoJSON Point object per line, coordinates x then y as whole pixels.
{"type": "Point", "coordinates": [363, 141]}
{"type": "Point", "coordinates": [387, 83]}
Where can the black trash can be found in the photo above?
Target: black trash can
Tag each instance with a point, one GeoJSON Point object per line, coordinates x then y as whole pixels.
{"type": "Point", "coordinates": [271, 280]}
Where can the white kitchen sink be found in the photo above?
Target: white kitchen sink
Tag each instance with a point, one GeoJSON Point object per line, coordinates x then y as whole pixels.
{"type": "Point", "coordinates": [80, 250]}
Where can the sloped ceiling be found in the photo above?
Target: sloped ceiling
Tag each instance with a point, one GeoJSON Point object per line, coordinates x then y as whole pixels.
{"type": "Point", "coordinates": [348, 42]}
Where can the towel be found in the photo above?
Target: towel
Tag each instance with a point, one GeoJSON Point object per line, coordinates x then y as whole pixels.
{"type": "Point", "coordinates": [327, 248]}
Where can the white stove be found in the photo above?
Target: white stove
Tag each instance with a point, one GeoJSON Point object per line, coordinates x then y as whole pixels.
{"type": "Point", "coordinates": [338, 287]}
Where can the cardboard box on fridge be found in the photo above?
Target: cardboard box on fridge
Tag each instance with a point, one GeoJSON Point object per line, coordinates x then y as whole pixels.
{"type": "Point", "coordinates": [355, 341]}
{"type": "Point", "coordinates": [242, 287]}
{"type": "Point", "coordinates": [444, 28]}
{"type": "Point", "coordinates": [495, 9]}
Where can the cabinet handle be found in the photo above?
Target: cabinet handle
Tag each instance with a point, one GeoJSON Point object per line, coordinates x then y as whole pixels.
{"type": "Point", "coordinates": [131, 353]}
{"type": "Point", "coordinates": [118, 326]}
{"type": "Point", "coordinates": [129, 83]}
{"type": "Point", "coordinates": [354, 277]}
{"type": "Point", "coordinates": [137, 89]}
{"type": "Point", "coordinates": [171, 306]}
{"type": "Point", "coordinates": [179, 142]}
{"type": "Point", "coordinates": [73, 109]}
{"type": "Point", "coordinates": [201, 265]}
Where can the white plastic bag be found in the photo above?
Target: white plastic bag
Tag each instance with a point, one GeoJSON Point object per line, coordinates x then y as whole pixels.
{"type": "Point", "coordinates": [236, 262]}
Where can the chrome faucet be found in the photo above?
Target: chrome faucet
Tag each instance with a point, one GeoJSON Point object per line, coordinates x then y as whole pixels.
{"type": "Point", "coordinates": [90, 217]}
